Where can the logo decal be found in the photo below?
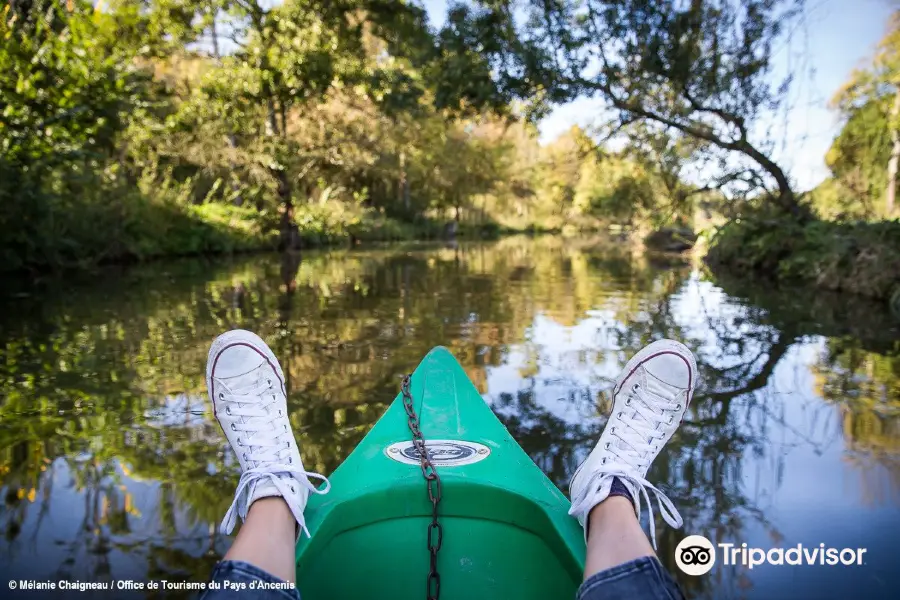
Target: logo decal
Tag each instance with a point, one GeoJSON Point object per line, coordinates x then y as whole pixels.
{"type": "Point", "coordinates": [442, 453]}
{"type": "Point", "coordinates": [695, 555]}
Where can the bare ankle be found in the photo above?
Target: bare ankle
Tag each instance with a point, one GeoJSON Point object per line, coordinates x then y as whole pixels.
{"type": "Point", "coordinates": [616, 508]}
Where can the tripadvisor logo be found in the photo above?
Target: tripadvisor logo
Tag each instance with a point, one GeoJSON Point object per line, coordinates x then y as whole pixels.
{"type": "Point", "coordinates": [696, 555]}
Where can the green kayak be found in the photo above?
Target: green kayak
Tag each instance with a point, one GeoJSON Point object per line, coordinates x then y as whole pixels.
{"type": "Point", "coordinates": [506, 531]}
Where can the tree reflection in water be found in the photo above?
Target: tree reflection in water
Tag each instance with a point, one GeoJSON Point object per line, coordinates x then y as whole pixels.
{"type": "Point", "coordinates": [112, 467]}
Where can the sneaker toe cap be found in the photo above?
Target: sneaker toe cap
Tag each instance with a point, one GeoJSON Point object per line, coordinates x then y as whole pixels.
{"type": "Point", "coordinates": [235, 360]}
{"type": "Point", "coordinates": [672, 369]}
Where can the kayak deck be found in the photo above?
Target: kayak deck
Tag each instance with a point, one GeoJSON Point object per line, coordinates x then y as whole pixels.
{"type": "Point", "coordinates": [506, 531]}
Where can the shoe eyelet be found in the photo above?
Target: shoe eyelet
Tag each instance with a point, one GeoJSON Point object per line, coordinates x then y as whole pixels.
{"type": "Point", "coordinates": [612, 429]}
{"type": "Point", "coordinates": [269, 382]}
{"type": "Point", "coordinates": [280, 414]}
{"type": "Point", "coordinates": [677, 407]}
{"type": "Point", "coordinates": [635, 387]}
{"type": "Point", "coordinates": [233, 428]}
{"type": "Point", "coordinates": [285, 427]}
{"type": "Point", "coordinates": [603, 462]}
{"type": "Point", "coordinates": [621, 414]}
{"type": "Point", "coordinates": [239, 442]}
{"type": "Point", "coordinates": [628, 401]}
{"type": "Point", "coordinates": [293, 490]}
{"type": "Point", "coordinates": [228, 410]}
{"type": "Point", "coordinates": [607, 446]}
{"type": "Point", "coordinates": [221, 395]}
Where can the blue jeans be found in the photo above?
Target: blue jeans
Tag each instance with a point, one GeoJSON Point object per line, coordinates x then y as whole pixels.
{"type": "Point", "coordinates": [641, 579]}
{"type": "Point", "coordinates": [237, 580]}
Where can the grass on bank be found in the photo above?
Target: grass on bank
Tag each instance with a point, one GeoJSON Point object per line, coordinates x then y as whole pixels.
{"type": "Point", "coordinates": [856, 257]}
{"type": "Point", "coordinates": [79, 231]}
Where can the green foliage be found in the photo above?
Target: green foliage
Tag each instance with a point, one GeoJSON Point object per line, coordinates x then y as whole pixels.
{"type": "Point", "coordinates": [860, 156]}
{"type": "Point", "coordinates": [617, 189]}
{"type": "Point", "coordinates": [176, 127]}
{"type": "Point", "coordinates": [320, 224]}
{"type": "Point", "coordinates": [843, 199]}
{"type": "Point", "coordinates": [842, 252]}
{"type": "Point", "coordinates": [65, 96]}
{"type": "Point", "coordinates": [112, 125]}
{"type": "Point", "coordinates": [862, 258]}
{"type": "Point", "coordinates": [702, 69]}
{"type": "Point", "coordinates": [64, 92]}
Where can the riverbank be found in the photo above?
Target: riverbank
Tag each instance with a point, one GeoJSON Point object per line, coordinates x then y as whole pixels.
{"type": "Point", "coordinates": [860, 258]}
{"type": "Point", "coordinates": [142, 229]}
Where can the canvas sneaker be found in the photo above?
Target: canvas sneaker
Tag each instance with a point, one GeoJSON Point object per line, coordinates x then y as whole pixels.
{"type": "Point", "coordinates": [649, 400]}
{"type": "Point", "coordinates": [246, 386]}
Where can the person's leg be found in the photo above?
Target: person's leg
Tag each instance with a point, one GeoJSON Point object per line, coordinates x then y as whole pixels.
{"type": "Point", "coordinates": [649, 400]}
{"type": "Point", "coordinates": [246, 386]}
{"type": "Point", "coordinates": [615, 536]}
{"type": "Point", "coordinates": [267, 539]}
{"type": "Point", "coordinates": [620, 562]}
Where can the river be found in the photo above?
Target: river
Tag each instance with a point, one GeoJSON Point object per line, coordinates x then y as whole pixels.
{"type": "Point", "coordinates": [112, 467]}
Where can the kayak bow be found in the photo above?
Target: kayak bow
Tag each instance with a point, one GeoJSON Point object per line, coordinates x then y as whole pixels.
{"type": "Point", "coordinates": [506, 531]}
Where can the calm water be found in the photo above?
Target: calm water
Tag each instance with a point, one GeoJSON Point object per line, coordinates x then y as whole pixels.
{"type": "Point", "coordinates": [111, 466]}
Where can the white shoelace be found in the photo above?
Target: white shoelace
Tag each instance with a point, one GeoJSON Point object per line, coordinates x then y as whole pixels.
{"type": "Point", "coordinates": [632, 450]}
{"type": "Point", "coordinates": [269, 453]}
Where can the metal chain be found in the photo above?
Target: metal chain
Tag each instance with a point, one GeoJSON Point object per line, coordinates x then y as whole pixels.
{"type": "Point", "coordinates": [433, 483]}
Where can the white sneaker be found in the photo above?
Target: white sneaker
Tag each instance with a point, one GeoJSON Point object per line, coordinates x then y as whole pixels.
{"type": "Point", "coordinates": [246, 386]}
{"type": "Point", "coordinates": [649, 401]}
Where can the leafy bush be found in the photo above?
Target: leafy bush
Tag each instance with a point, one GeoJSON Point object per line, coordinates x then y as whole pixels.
{"type": "Point", "coordinates": [320, 224]}
{"type": "Point", "coordinates": [104, 219]}
{"type": "Point", "coordinates": [861, 257]}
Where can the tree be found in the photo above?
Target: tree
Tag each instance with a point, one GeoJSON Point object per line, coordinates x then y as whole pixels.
{"type": "Point", "coordinates": [65, 96]}
{"type": "Point", "coordinates": [559, 170]}
{"type": "Point", "coordinates": [858, 156]}
{"type": "Point", "coordinates": [287, 55]}
{"type": "Point", "coordinates": [293, 56]}
{"type": "Point", "coordinates": [701, 69]}
{"type": "Point", "coordinates": [870, 101]}
{"type": "Point", "coordinates": [667, 155]}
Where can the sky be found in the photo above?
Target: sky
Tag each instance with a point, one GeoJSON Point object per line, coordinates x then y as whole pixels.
{"type": "Point", "coordinates": [840, 35]}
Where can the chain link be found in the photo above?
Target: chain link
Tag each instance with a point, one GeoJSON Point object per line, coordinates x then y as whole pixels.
{"type": "Point", "coordinates": [433, 483]}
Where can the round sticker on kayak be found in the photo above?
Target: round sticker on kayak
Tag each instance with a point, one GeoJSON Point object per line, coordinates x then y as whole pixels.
{"type": "Point", "coordinates": [443, 453]}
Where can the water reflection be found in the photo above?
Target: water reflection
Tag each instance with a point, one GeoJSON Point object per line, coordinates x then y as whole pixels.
{"type": "Point", "coordinates": [111, 467]}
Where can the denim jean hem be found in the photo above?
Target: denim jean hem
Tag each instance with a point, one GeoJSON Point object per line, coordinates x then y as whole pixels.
{"type": "Point", "coordinates": [642, 578]}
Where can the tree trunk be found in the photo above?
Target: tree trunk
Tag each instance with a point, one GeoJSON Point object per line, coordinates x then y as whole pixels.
{"type": "Point", "coordinates": [215, 39]}
{"type": "Point", "coordinates": [234, 181]}
{"type": "Point", "coordinates": [271, 119]}
{"type": "Point", "coordinates": [891, 191]}
{"type": "Point", "coordinates": [230, 139]}
{"type": "Point", "coordinates": [786, 198]}
{"type": "Point", "coordinates": [403, 190]}
{"type": "Point", "coordinates": [287, 241]}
